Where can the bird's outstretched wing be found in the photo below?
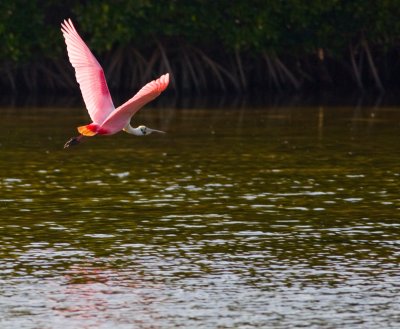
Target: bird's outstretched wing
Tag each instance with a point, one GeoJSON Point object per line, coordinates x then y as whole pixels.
{"type": "Point", "coordinates": [89, 75]}
{"type": "Point", "coordinates": [124, 112]}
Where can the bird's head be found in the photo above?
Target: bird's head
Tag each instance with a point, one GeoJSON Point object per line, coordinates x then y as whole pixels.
{"type": "Point", "coordinates": [147, 131]}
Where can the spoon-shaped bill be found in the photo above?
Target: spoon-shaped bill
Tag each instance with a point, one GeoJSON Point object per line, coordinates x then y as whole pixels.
{"type": "Point", "coordinates": [156, 131]}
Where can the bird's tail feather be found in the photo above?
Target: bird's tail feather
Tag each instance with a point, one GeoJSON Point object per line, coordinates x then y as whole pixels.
{"type": "Point", "coordinates": [88, 130]}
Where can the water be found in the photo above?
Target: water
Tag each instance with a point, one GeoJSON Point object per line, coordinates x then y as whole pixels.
{"type": "Point", "coordinates": [282, 217]}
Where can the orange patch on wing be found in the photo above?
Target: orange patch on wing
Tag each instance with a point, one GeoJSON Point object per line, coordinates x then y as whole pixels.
{"type": "Point", "coordinates": [88, 130]}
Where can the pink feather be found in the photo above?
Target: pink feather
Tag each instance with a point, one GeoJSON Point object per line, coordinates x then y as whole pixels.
{"type": "Point", "coordinates": [118, 119]}
{"type": "Point", "coordinates": [89, 75]}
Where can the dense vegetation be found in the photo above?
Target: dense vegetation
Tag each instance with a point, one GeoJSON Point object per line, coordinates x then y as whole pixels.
{"type": "Point", "coordinates": [207, 45]}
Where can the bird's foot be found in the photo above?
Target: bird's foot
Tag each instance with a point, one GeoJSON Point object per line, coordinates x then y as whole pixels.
{"type": "Point", "coordinates": [73, 141]}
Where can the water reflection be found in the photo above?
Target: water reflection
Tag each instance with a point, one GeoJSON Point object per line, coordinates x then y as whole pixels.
{"type": "Point", "coordinates": [273, 217]}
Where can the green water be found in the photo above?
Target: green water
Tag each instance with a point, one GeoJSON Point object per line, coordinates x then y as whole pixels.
{"type": "Point", "coordinates": [236, 218]}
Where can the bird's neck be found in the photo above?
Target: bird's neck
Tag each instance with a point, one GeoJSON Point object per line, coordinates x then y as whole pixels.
{"type": "Point", "coordinates": [134, 131]}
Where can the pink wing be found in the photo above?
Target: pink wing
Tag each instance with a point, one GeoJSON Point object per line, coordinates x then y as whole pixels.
{"type": "Point", "coordinates": [89, 75]}
{"type": "Point", "coordinates": [122, 115]}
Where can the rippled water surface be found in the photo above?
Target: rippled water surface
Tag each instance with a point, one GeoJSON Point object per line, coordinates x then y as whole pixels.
{"type": "Point", "coordinates": [237, 218]}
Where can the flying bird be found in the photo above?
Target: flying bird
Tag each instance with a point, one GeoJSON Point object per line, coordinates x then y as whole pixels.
{"type": "Point", "coordinates": [106, 119]}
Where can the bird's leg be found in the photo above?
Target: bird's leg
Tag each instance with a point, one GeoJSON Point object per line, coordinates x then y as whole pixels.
{"type": "Point", "coordinates": [73, 141]}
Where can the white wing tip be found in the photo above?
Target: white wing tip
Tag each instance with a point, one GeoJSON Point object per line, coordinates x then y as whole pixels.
{"type": "Point", "coordinates": [164, 81]}
{"type": "Point", "coordinates": [67, 25]}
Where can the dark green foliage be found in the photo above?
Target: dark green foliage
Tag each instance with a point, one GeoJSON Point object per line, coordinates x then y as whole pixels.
{"type": "Point", "coordinates": [220, 44]}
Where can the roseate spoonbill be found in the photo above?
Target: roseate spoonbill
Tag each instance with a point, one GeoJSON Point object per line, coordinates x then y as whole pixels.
{"type": "Point", "coordinates": [107, 120]}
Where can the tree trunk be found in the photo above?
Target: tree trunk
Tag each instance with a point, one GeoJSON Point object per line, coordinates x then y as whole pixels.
{"type": "Point", "coordinates": [357, 73]}
{"type": "Point", "coordinates": [372, 66]}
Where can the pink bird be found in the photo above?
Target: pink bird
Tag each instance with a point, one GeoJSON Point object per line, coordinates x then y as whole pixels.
{"type": "Point", "coordinates": [106, 119]}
